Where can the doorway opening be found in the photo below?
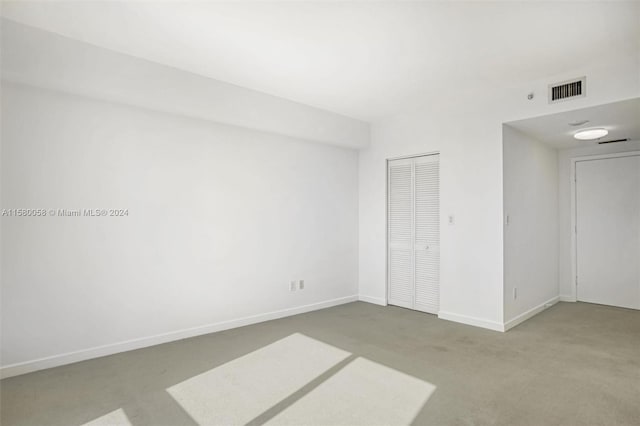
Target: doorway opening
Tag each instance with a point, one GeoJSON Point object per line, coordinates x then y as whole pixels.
{"type": "Point", "coordinates": [549, 245]}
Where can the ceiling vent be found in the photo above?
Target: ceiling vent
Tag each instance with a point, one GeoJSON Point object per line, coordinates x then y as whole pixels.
{"type": "Point", "coordinates": [613, 141]}
{"type": "Point", "coordinates": [565, 90]}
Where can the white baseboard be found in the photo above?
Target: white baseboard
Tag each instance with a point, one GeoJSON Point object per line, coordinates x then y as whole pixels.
{"type": "Point", "coordinates": [567, 298]}
{"type": "Point", "coordinates": [477, 322]}
{"type": "Point", "coordinates": [114, 348]}
{"type": "Point", "coordinates": [530, 313]}
{"type": "Point", "coordinates": [375, 300]}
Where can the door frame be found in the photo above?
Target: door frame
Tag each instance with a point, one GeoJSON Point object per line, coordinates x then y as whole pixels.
{"type": "Point", "coordinates": [386, 214]}
{"type": "Point", "coordinates": [573, 297]}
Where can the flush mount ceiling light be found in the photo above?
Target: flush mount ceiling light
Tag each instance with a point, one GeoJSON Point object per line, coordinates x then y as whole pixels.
{"type": "Point", "coordinates": [591, 134]}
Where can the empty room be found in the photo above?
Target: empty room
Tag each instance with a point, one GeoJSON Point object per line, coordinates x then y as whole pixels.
{"type": "Point", "coordinates": [319, 213]}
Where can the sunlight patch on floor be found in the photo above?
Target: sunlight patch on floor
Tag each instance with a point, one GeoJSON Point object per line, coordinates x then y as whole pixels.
{"type": "Point", "coordinates": [240, 390]}
{"type": "Point", "coordinates": [117, 417]}
{"type": "Point", "coordinates": [362, 393]}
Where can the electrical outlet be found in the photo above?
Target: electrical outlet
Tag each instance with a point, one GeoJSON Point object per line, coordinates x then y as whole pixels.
{"type": "Point", "coordinates": [301, 284]}
{"type": "Point", "coordinates": [452, 219]}
{"type": "Point", "coordinates": [292, 286]}
{"type": "Point", "coordinates": [515, 293]}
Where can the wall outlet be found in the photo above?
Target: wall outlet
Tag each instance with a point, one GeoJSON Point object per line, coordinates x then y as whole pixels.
{"type": "Point", "coordinates": [515, 293]}
{"type": "Point", "coordinates": [452, 219]}
{"type": "Point", "coordinates": [292, 286]}
{"type": "Point", "coordinates": [301, 284]}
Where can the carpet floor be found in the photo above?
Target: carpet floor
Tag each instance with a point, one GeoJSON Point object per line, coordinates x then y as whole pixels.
{"type": "Point", "coordinates": [573, 364]}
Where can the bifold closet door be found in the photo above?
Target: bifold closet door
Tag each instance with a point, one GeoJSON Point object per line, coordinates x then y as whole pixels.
{"type": "Point", "coordinates": [427, 233]}
{"type": "Point", "coordinates": [400, 233]}
{"type": "Point", "coordinates": [414, 233]}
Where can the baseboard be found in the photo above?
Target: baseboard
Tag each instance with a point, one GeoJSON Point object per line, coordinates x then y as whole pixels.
{"type": "Point", "coordinates": [477, 322]}
{"type": "Point", "coordinates": [530, 313]}
{"type": "Point", "coordinates": [375, 300]}
{"type": "Point", "coordinates": [567, 298]}
{"type": "Point", "coordinates": [129, 345]}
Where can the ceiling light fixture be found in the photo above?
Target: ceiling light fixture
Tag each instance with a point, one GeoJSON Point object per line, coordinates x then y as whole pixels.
{"type": "Point", "coordinates": [591, 134]}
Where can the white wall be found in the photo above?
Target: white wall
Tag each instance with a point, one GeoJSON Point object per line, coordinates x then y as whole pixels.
{"type": "Point", "coordinates": [220, 220]}
{"type": "Point", "coordinates": [466, 128]}
{"type": "Point", "coordinates": [531, 232]}
{"type": "Point", "coordinates": [566, 278]}
{"type": "Point", "coordinates": [466, 270]}
{"type": "Point", "coordinates": [230, 197]}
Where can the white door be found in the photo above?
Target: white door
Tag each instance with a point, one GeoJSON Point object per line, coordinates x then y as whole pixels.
{"type": "Point", "coordinates": [414, 233]}
{"type": "Point", "coordinates": [400, 233]}
{"type": "Point", "coordinates": [608, 231]}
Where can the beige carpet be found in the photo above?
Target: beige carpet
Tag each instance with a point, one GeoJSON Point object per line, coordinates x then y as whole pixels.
{"type": "Point", "coordinates": [357, 364]}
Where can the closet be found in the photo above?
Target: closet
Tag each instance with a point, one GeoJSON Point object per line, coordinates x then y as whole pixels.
{"type": "Point", "coordinates": [413, 233]}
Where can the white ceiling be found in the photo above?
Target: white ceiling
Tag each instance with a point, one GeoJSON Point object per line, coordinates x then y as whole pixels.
{"type": "Point", "coordinates": [362, 59]}
{"type": "Point", "coordinates": [621, 119]}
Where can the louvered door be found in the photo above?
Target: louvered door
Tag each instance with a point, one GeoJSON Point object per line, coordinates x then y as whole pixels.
{"type": "Point", "coordinates": [427, 233]}
{"type": "Point", "coordinates": [414, 233]}
{"type": "Point", "coordinates": [400, 214]}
